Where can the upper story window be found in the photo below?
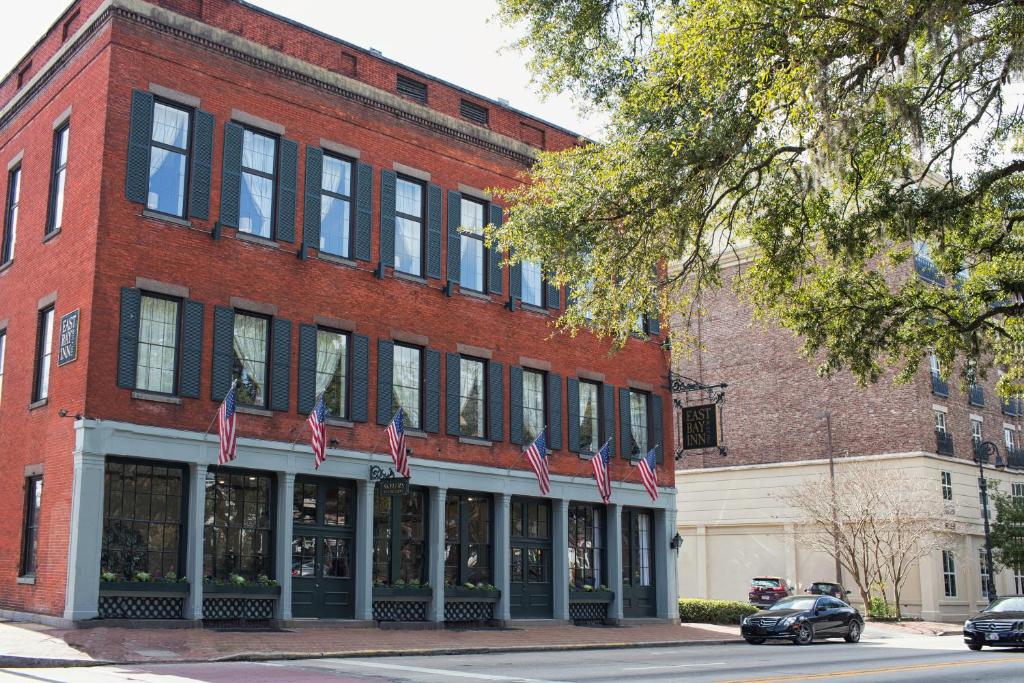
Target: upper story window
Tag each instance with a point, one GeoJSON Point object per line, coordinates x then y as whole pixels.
{"type": "Point", "coordinates": [533, 404]}
{"type": "Point", "coordinates": [471, 243]}
{"type": "Point", "coordinates": [947, 485]}
{"type": "Point", "coordinates": [11, 214]}
{"type": "Point", "coordinates": [44, 348]}
{"type": "Point", "coordinates": [406, 384]}
{"type": "Point", "coordinates": [336, 206]}
{"type": "Point", "coordinates": [251, 344]}
{"type": "Point", "coordinates": [169, 159]}
{"type": "Point", "coordinates": [1010, 438]}
{"type": "Point", "coordinates": [472, 391]}
{"type": "Point", "coordinates": [533, 283]}
{"type": "Point", "coordinates": [157, 362]}
{"type": "Point", "coordinates": [940, 422]}
{"type": "Point", "coordinates": [590, 415]}
{"type": "Point", "coordinates": [408, 226]}
{"type": "Point", "coordinates": [638, 409]}
{"type": "Point", "coordinates": [259, 178]}
{"type": "Point", "coordinates": [332, 371]}
{"type": "Point", "coordinates": [3, 351]}
{"type": "Point", "coordinates": [976, 431]}
{"type": "Point", "coordinates": [58, 176]}
{"type": "Point", "coordinates": [30, 525]}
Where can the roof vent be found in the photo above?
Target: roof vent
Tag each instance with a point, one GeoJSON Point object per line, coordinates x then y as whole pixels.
{"type": "Point", "coordinates": [503, 102]}
{"type": "Point", "coordinates": [375, 51]}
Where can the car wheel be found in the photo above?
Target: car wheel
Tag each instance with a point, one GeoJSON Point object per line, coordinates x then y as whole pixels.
{"type": "Point", "coordinates": [854, 634]}
{"type": "Point", "coordinates": [805, 635]}
{"type": "Point", "coordinates": [755, 641]}
{"type": "Point", "coordinates": [974, 646]}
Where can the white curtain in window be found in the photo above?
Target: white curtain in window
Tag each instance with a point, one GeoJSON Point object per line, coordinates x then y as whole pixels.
{"type": "Point", "coordinates": [250, 341]}
{"type": "Point", "coordinates": [328, 356]}
{"type": "Point", "coordinates": [644, 527]}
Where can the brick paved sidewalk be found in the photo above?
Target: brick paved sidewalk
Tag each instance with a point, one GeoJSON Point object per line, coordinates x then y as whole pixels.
{"type": "Point", "coordinates": [123, 645]}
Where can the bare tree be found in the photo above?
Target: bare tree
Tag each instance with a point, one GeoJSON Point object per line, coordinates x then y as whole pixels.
{"type": "Point", "coordinates": [876, 519]}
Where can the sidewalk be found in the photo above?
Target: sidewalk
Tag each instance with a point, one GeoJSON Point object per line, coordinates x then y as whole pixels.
{"type": "Point", "coordinates": [122, 645]}
{"type": "Point", "coordinates": [28, 644]}
{"type": "Point", "coordinates": [920, 628]}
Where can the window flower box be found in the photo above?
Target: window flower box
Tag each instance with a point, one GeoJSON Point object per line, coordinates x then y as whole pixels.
{"type": "Point", "coordinates": [461, 593]}
{"type": "Point", "coordinates": [402, 592]}
{"type": "Point", "coordinates": [145, 587]}
{"type": "Point", "coordinates": [226, 590]}
{"type": "Point", "coordinates": [591, 596]}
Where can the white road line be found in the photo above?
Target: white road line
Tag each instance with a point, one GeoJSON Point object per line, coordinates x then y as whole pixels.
{"type": "Point", "coordinates": [443, 672]}
{"type": "Point", "coordinates": [672, 666]}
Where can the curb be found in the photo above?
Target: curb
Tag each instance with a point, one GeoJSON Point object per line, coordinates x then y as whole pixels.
{"type": "Point", "coordinates": [35, 662]}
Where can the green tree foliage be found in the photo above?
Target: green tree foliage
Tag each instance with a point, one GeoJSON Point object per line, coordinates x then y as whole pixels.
{"type": "Point", "coordinates": [816, 139]}
{"type": "Point", "coordinates": [1008, 532]}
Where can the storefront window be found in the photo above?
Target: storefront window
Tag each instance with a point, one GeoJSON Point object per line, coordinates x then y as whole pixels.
{"type": "Point", "coordinates": [399, 541]}
{"type": "Point", "coordinates": [467, 539]}
{"type": "Point", "coordinates": [143, 519]}
{"type": "Point", "coordinates": [586, 546]}
{"type": "Point", "coordinates": [237, 534]}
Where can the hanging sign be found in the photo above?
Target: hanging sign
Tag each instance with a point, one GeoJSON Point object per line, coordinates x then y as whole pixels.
{"type": "Point", "coordinates": [67, 351]}
{"type": "Point", "coordinates": [700, 427]}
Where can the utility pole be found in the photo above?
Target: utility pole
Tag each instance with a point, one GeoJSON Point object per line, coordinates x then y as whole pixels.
{"type": "Point", "coordinates": [827, 414]}
{"type": "Point", "coordinates": [981, 452]}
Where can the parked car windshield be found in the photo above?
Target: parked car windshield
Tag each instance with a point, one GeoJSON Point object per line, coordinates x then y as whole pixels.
{"type": "Point", "coordinates": [1011, 604]}
{"type": "Point", "coordinates": [822, 586]}
{"type": "Point", "coordinates": [794, 603]}
{"type": "Point", "coordinates": [766, 583]}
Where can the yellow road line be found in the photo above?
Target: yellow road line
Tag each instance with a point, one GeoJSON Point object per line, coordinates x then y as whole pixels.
{"type": "Point", "coordinates": [867, 672]}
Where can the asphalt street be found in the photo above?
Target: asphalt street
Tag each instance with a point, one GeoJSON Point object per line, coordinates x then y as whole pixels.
{"type": "Point", "coordinates": [876, 658]}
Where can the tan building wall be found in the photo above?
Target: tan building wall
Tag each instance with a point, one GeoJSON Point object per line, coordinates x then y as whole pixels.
{"type": "Point", "coordinates": [735, 526]}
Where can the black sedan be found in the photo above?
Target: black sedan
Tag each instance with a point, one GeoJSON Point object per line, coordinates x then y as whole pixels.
{"type": "Point", "coordinates": [802, 619]}
{"type": "Point", "coordinates": [1001, 624]}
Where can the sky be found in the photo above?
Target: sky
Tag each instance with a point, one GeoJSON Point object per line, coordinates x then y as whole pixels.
{"type": "Point", "coordinates": [459, 41]}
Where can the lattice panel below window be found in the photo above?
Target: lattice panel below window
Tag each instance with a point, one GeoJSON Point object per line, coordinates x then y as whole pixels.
{"type": "Point", "coordinates": [399, 610]}
{"type": "Point", "coordinates": [140, 607]}
{"type": "Point", "coordinates": [588, 611]}
{"type": "Point", "coordinates": [238, 608]}
{"type": "Point", "coordinates": [468, 610]}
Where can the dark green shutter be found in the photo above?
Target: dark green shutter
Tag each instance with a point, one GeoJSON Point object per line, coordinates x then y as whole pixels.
{"type": "Point", "coordinates": [434, 231]}
{"type": "Point", "coordinates": [515, 404]}
{"type": "Point", "coordinates": [364, 211]}
{"type": "Point", "coordinates": [495, 401]}
{"type": "Point", "coordinates": [653, 324]}
{"type": "Point", "coordinates": [385, 378]}
{"type": "Point", "coordinates": [231, 179]}
{"type": "Point", "coordinates": [387, 217]}
{"type": "Point", "coordinates": [554, 411]}
{"type": "Point", "coordinates": [360, 382]}
{"type": "Point", "coordinates": [287, 185]}
{"type": "Point", "coordinates": [202, 166]}
{"type": "Point", "coordinates": [191, 348]}
{"type": "Point", "coordinates": [311, 201]}
{"type": "Point", "coordinates": [280, 365]}
{"type": "Point", "coordinates": [306, 381]}
{"type": "Point", "coordinates": [552, 296]}
{"type": "Point", "coordinates": [454, 239]}
{"type": "Point", "coordinates": [431, 391]}
{"type": "Point", "coordinates": [128, 340]}
{"type": "Point", "coordinates": [609, 417]}
{"type": "Point", "coordinates": [223, 352]}
{"type": "Point", "coordinates": [515, 280]}
{"type": "Point", "coordinates": [140, 131]}
{"type": "Point", "coordinates": [656, 435]}
{"type": "Point", "coordinates": [494, 256]}
{"type": "Point", "coordinates": [573, 413]}
{"type": "Point", "coordinates": [625, 424]}
{"type": "Point", "coordinates": [451, 389]}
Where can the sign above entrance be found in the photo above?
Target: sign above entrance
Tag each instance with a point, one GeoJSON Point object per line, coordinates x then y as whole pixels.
{"type": "Point", "coordinates": [700, 426]}
{"type": "Point", "coordinates": [388, 483]}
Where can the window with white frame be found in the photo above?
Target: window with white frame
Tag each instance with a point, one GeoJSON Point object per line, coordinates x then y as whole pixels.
{"type": "Point", "coordinates": [940, 422]}
{"type": "Point", "coordinates": [947, 486]}
{"type": "Point", "coordinates": [533, 404]}
{"type": "Point", "coordinates": [336, 206]}
{"type": "Point", "coordinates": [533, 283]}
{"type": "Point", "coordinates": [405, 384]}
{"type": "Point", "coordinates": [1017, 490]}
{"type": "Point", "coordinates": [638, 404]}
{"type": "Point", "coordinates": [471, 397]}
{"type": "Point", "coordinates": [332, 371]}
{"type": "Point", "coordinates": [1010, 438]}
{"type": "Point", "coordinates": [11, 215]}
{"type": "Point", "coordinates": [933, 364]}
{"type": "Point", "coordinates": [976, 431]}
{"type": "Point", "coordinates": [1018, 580]}
{"type": "Point", "coordinates": [168, 159]}
{"type": "Point", "coordinates": [471, 245]}
{"type": "Point", "coordinates": [3, 349]}
{"type": "Point", "coordinates": [158, 344]}
{"type": "Point", "coordinates": [44, 349]}
{"type": "Point", "coordinates": [259, 176]}
{"type": "Point", "coordinates": [408, 226]}
{"type": "Point", "coordinates": [251, 344]}
{"type": "Point", "coordinates": [948, 574]}
{"type": "Point", "coordinates": [590, 414]}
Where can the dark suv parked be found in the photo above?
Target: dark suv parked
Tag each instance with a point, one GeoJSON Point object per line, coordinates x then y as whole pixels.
{"type": "Point", "coordinates": [826, 588]}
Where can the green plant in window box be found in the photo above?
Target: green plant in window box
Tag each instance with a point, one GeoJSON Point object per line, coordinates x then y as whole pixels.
{"type": "Point", "coordinates": [108, 577]}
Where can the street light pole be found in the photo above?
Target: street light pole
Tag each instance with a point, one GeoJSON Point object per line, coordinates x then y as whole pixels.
{"type": "Point", "coordinates": [981, 452]}
{"type": "Point", "coordinates": [827, 414]}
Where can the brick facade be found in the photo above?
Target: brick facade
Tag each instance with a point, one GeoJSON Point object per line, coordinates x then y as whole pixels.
{"type": "Point", "coordinates": [289, 75]}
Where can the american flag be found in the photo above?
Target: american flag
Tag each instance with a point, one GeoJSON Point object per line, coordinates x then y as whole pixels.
{"type": "Point", "coordinates": [647, 473]}
{"type": "Point", "coordinates": [537, 455]}
{"type": "Point", "coordinates": [318, 429]}
{"type": "Point", "coordinates": [396, 440]}
{"type": "Point", "coordinates": [226, 427]}
{"type": "Point", "coordinates": [601, 473]}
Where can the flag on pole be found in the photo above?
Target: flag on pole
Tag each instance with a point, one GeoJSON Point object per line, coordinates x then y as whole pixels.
{"type": "Point", "coordinates": [396, 441]}
{"type": "Point", "coordinates": [601, 473]}
{"type": "Point", "coordinates": [226, 427]}
{"type": "Point", "coordinates": [318, 428]}
{"type": "Point", "coordinates": [537, 455]}
{"type": "Point", "coordinates": [648, 475]}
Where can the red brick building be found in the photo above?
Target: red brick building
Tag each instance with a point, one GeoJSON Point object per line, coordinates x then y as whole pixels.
{"type": "Point", "coordinates": [202, 195]}
{"type": "Point", "coordinates": [780, 424]}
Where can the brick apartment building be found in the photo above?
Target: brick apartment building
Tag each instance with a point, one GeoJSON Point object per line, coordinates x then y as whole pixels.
{"type": "Point", "coordinates": [780, 421]}
{"type": "Point", "coordinates": [201, 192]}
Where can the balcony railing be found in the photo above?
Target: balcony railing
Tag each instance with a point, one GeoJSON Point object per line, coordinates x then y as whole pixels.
{"type": "Point", "coordinates": [976, 395]}
{"type": "Point", "coordinates": [1013, 406]}
{"type": "Point", "coordinates": [1015, 458]}
{"type": "Point", "coordinates": [927, 271]}
{"type": "Point", "coordinates": [939, 385]}
{"type": "Point", "coordinates": [943, 443]}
